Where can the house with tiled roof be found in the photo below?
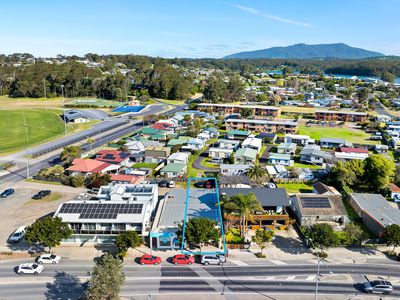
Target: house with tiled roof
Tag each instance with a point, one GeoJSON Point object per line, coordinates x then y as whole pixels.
{"type": "Point", "coordinates": [86, 167]}
{"type": "Point", "coordinates": [113, 157]}
{"type": "Point", "coordinates": [347, 153]}
{"type": "Point", "coordinates": [126, 179]}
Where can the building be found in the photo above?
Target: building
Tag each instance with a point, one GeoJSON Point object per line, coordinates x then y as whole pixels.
{"type": "Point", "coordinates": [269, 138]}
{"type": "Point", "coordinates": [87, 167]}
{"type": "Point", "coordinates": [277, 171]}
{"type": "Point", "coordinates": [261, 125]}
{"type": "Point", "coordinates": [156, 154]}
{"type": "Point", "coordinates": [332, 142]}
{"type": "Point", "coordinates": [119, 208]}
{"type": "Point", "coordinates": [323, 189]}
{"type": "Point", "coordinates": [280, 159]}
{"type": "Point", "coordinates": [375, 211]}
{"type": "Point", "coordinates": [298, 139]}
{"type": "Point", "coordinates": [245, 156]}
{"type": "Point", "coordinates": [257, 110]}
{"type": "Point", "coordinates": [74, 116]}
{"type": "Point", "coordinates": [394, 192]}
{"type": "Point", "coordinates": [173, 170]}
{"type": "Point", "coordinates": [252, 143]}
{"type": "Point", "coordinates": [311, 209]}
{"type": "Point", "coordinates": [126, 179]}
{"type": "Point", "coordinates": [287, 148]}
{"type": "Point", "coordinates": [180, 141]}
{"type": "Point", "coordinates": [342, 116]}
{"type": "Point", "coordinates": [228, 144]}
{"type": "Point", "coordinates": [178, 157]}
{"type": "Point", "coordinates": [313, 154]}
{"type": "Point", "coordinates": [113, 157]}
{"type": "Point", "coordinates": [237, 134]}
{"type": "Point", "coordinates": [222, 153]}
{"type": "Point", "coordinates": [234, 170]}
{"type": "Point", "coordinates": [274, 202]}
{"type": "Point", "coordinates": [346, 153]}
{"type": "Point", "coordinates": [381, 149]}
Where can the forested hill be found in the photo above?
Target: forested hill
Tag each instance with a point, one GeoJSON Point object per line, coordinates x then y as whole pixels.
{"type": "Point", "coordinates": [304, 51]}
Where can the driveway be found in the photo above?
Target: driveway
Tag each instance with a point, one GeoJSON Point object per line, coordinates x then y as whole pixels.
{"type": "Point", "coordinates": [94, 114]}
{"type": "Point", "coordinates": [197, 165]}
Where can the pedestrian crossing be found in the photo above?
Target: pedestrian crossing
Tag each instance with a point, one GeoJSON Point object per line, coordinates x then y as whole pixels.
{"type": "Point", "coordinates": [278, 262]}
{"type": "Point", "coordinates": [238, 262]}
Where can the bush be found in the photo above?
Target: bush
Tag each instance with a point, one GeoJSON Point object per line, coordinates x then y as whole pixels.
{"type": "Point", "coordinates": [260, 255]}
{"type": "Point", "coordinates": [77, 180]}
{"type": "Point", "coordinates": [390, 253]}
{"type": "Point", "coordinates": [323, 254]}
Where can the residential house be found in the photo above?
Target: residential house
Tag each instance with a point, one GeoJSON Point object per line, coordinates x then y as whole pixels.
{"type": "Point", "coordinates": [113, 157]}
{"type": "Point", "coordinates": [381, 149]}
{"type": "Point", "coordinates": [280, 159]}
{"type": "Point", "coordinates": [156, 154]}
{"type": "Point", "coordinates": [87, 167]}
{"type": "Point", "coordinates": [213, 132]}
{"type": "Point", "coordinates": [287, 148]}
{"type": "Point", "coordinates": [234, 170]}
{"type": "Point", "coordinates": [173, 170]}
{"type": "Point", "coordinates": [375, 211]}
{"type": "Point", "coordinates": [277, 171]}
{"type": "Point", "coordinates": [312, 209]}
{"type": "Point", "coordinates": [342, 116]}
{"type": "Point", "coordinates": [275, 205]}
{"type": "Point", "coordinates": [245, 156]}
{"type": "Point", "coordinates": [205, 136]}
{"type": "Point", "coordinates": [222, 153]}
{"type": "Point", "coordinates": [136, 150]}
{"type": "Point", "coordinates": [304, 173]}
{"type": "Point", "coordinates": [346, 153]}
{"type": "Point", "coordinates": [237, 134]}
{"type": "Point", "coordinates": [269, 138]}
{"type": "Point", "coordinates": [178, 157]}
{"type": "Point", "coordinates": [195, 144]}
{"type": "Point", "coordinates": [332, 142]}
{"type": "Point", "coordinates": [181, 140]}
{"type": "Point", "coordinates": [238, 181]}
{"type": "Point", "coordinates": [269, 126]}
{"type": "Point", "coordinates": [298, 139]}
{"type": "Point", "coordinates": [120, 208]}
{"type": "Point", "coordinates": [323, 189]}
{"type": "Point", "coordinates": [396, 143]}
{"type": "Point", "coordinates": [228, 144]}
{"type": "Point", "coordinates": [252, 143]}
{"type": "Point", "coordinates": [394, 192]}
{"type": "Point", "coordinates": [313, 154]}
{"type": "Point", "coordinates": [126, 179]}
{"type": "Point", "coordinates": [224, 108]}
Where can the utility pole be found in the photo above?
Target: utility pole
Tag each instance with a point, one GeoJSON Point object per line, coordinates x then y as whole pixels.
{"type": "Point", "coordinates": [65, 121]}
{"type": "Point", "coordinates": [44, 89]}
{"type": "Point", "coordinates": [26, 147]}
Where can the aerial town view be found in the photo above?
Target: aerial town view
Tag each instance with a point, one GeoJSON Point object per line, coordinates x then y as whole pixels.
{"type": "Point", "coordinates": [202, 150]}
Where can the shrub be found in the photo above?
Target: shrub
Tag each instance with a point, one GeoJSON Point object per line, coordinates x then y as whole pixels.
{"type": "Point", "coordinates": [260, 255]}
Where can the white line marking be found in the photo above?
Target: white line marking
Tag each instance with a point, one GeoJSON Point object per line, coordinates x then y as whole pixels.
{"type": "Point", "coordinates": [311, 277]}
{"type": "Point", "coordinates": [238, 262]}
{"type": "Point", "coordinates": [278, 262]}
{"type": "Point", "coordinates": [291, 278]}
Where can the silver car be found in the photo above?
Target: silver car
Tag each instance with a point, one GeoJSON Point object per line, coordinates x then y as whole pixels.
{"type": "Point", "coordinates": [378, 287]}
{"type": "Point", "coordinates": [213, 259]}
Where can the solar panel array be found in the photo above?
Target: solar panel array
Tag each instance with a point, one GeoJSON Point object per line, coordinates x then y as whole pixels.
{"type": "Point", "coordinates": [315, 202]}
{"type": "Point", "coordinates": [101, 210]}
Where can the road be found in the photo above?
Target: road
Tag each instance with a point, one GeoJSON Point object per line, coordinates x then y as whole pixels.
{"type": "Point", "coordinates": [382, 110]}
{"type": "Point", "coordinates": [64, 281]}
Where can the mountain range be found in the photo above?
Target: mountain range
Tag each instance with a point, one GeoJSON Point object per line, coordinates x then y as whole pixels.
{"type": "Point", "coordinates": [304, 51]}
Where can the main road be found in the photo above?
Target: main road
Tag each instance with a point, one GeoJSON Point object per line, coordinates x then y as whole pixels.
{"type": "Point", "coordinates": [67, 279]}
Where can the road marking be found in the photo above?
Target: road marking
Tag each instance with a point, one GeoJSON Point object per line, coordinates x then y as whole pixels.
{"type": "Point", "coordinates": [238, 262]}
{"type": "Point", "coordinates": [291, 278]}
{"type": "Point", "coordinates": [270, 278]}
{"type": "Point", "coordinates": [313, 261]}
{"type": "Point", "coordinates": [311, 277]}
{"type": "Point", "coordinates": [278, 262]}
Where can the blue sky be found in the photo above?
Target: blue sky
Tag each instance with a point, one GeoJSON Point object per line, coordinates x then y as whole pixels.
{"type": "Point", "coordinates": [188, 28]}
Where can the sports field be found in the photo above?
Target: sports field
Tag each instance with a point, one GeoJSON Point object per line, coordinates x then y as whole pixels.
{"type": "Point", "coordinates": [42, 126]}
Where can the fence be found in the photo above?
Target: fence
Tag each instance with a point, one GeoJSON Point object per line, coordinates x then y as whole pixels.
{"type": "Point", "coordinates": [6, 164]}
{"type": "Point", "coordinates": [292, 180]}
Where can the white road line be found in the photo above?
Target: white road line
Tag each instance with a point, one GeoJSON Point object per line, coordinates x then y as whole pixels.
{"type": "Point", "coordinates": [313, 261]}
{"type": "Point", "coordinates": [270, 278]}
{"type": "Point", "coordinates": [311, 277]}
{"type": "Point", "coordinates": [238, 262]}
{"type": "Point", "coordinates": [278, 262]}
{"type": "Point", "coordinates": [291, 278]}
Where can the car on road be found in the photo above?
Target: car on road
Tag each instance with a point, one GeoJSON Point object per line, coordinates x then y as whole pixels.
{"type": "Point", "coordinates": [29, 268]}
{"type": "Point", "coordinates": [17, 235]}
{"type": "Point", "coordinates": [148, 259]}
{"type": "Point", "coordinates": [171, 184]}
{"type": "Point", "coordinates": [6, 193]}
{"type": "Point", "coordinates": [48, 259]}
{"type": "Point", "coordinates": [163, 183]}
{"type": "Point", "coordinates": [378, 287]}
{"type": "Point", "coordinates": [182, 259]}
{"type": "Point", "coordinates": [213, 259]}
{"type": "Point", "coordinates": [41, 194]}
{"type": "Point", "coordinates": [270, 185]}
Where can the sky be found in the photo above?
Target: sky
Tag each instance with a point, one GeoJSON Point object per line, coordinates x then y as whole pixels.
{"type": "Point", "coordinates": [189, 28]}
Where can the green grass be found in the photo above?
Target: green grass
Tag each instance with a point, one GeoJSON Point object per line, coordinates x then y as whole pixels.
{"type": "Point", "coordinates": [173, 102]}
{"type": "Point", "coordinates": [206, 162]}
{"type": "Point", "coordinates": [193, 172]}
{"type": "Point", "coordinates": [296, 187]}
{"type": "Point", "coordinates": [95, 102]}
{"type": "Point", "coordinates": [349, 134]}
{"type": "Point", "coordinates": [303, 166]}
{"type": "Point", "coordinates": [145, 165]}
{"type": "Point", "coordinates": [42, 126]}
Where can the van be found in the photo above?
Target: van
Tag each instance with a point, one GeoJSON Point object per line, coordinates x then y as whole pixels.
{"type": "Point", "coordinates": [17, 235]}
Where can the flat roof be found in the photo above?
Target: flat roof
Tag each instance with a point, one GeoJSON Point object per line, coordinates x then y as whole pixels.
{"type": "Point", "coordinates": [262, 122]}
{"type": "Point", "coordinates": [240, 106]}
{"type": "Point", "coordinates": [341, 112]}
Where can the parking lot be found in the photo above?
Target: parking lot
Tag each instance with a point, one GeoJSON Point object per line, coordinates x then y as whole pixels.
{"type": "Point", "coordinates": [20, 210]}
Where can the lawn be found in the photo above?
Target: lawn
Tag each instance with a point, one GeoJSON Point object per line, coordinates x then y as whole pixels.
{"type": "Point", "coordinates": [349, 134]}
{"type": "Point", "coordinates": [173, 102]}
{"type": "Point", "coordinates": [145, 165]}
{"type": "Point", "coordinates": [206, 162]}
{"type": "Point", "coordinates": [7, 102]}
{"type": "Point", "coordinates": [303, 166]}
{"type": "Point", "coordinates": [296, 187]}
{"type": "Point", "coordinates": [42, 126]}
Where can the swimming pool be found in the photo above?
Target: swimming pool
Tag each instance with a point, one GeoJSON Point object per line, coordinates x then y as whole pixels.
{"type": "Point", "coordinates": [128, 108]}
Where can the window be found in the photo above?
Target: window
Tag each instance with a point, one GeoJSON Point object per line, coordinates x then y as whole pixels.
{"type": "Point", "coordinates": [119, 226]}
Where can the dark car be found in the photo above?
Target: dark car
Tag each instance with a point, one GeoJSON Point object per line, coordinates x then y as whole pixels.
{"type": "Point", "coordinates": [163, 183]}
{"type": "Point", "coordinates": [209, 184]}
{"type": "Point", "coordinates": [41, 194]}
{"type": "Point", "coordinates": [6, 193]}
{"type": "Point", "coordinates": [154, 182]}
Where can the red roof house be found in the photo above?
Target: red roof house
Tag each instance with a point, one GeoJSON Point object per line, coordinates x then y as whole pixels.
{"type": "Point", "coordinates": [113, 157]}
{"type": "Point", "coordinates": [352, 150]}
{"type": "Point", "coordinates": [88, 166]}
{"type": "Point", "coordinates": [126, 179]}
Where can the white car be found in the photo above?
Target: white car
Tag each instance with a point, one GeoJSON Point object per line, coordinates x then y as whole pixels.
{"type": "Point", "coordinates": [48, 259]}
{"type": "Point", "coordinates": [30, 269]}
{"type": "Point", "coordinates": [17, 235]}
{"type": "Point", "coordinates": [171, 184]}
{"type": "Point", "coordinates": [213, 259]}
{"type": "Point", "coordinates": [271, 185]}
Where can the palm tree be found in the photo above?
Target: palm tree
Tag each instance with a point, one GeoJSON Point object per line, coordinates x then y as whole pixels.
{"type": "Point", "coordinates": [245, 206]}
{"type": "Point", "coordinates": [257, 173]}
{"type": "Point", "coordinates": [70, 153]}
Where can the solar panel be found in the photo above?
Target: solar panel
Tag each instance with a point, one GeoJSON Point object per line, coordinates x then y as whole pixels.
{"type": "Point", "coordinates": [101, 210]}
{"type": "Point", "coordinates": [315, 202]}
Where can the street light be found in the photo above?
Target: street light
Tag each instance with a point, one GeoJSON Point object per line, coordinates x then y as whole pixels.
{"type": "Point", "coordinates": [65, 121]}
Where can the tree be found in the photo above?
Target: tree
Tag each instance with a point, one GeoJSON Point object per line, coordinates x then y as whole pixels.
{"type": "Point", "coordinates": [106, 280]}
{"type": "Point", "coordinates": [200, 231]}
{"type": "Point", "coordinates": [215, 88]}
{"type": "Point", "coordinates": [322, 236]}
{"type": "Point", "coordinates": [77, 180]}
{"type": "Point", "coordinates": [246, 112]}
{"type": "Point", "coordinates": [388, 77]}
{"type": "Point", "coordinates": [70, 153]}
{"type": "Point", "coordinates": [287, 71]}
{"type": "Point", "coordinates": [97, 180]}
{"type": "Point", "coordinates": [90, 141]}
{"type": "Point", "coordinates": [235, 89]}
{"type": "Point", "coordinates": [48, 232]}
{"type": "Point", "coordinates": [262, 238]}
{"type": "Point", "coordinates": [354, 234]}
{"type": "Point", "coordinates": [244, 205]}
{"type": "Point", "coordinates": [391, 235]}
{"type": "Point", "coordinates": [126, 240]}
{"type": "Point", "coordinates": [379, 171]}
{"type": "Point", "coordinates": [257, 173]}
{"type": "Point", "coordinates": [261, 98]}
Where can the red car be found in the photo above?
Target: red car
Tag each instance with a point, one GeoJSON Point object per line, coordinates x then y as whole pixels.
{"type": "Point", "coordinates": [148, 259]}
{"type": "Point", "coordinates": [182, 259]}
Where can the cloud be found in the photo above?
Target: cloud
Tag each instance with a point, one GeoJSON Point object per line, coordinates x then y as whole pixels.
{"type": "Point", "coordinates": [254, 11]}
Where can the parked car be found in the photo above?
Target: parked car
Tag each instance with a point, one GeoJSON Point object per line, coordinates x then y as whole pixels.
{"type": "Point", "coordinates": [213, 259]}
{"type": "Point", "coordinates": [48, 259]}
{"type": "Point", "coordinates": [217, 160]}
{"type": "Point", "coordinates": [270, 185]}
{"type": "Point", "coordinates": [154, 182]}
{"type": "Point", "coordinates": [163, 183]}
{"type": "Point", "coordinates": [378, 287]}
{"type": "Point", "coordinates": [29, 268]}
{"type": "Point", "coordinates": [17, 235]}
{"type": "Point", "coordinates": [148, 259]}
{"type": "Point", "coordinates": [41, 194]}
{"type": "Point", "coordinates": [171, 184]}
{"type": "Point", "coordinates": [182, 259]}
{"type": "Point", "coordinates": [6, 193]}
{"type": "Point", "coordinates": [209, 184]}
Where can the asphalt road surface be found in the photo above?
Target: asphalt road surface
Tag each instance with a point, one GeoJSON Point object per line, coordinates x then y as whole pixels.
{"type": "Point", "coordinates": [67, 279]}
